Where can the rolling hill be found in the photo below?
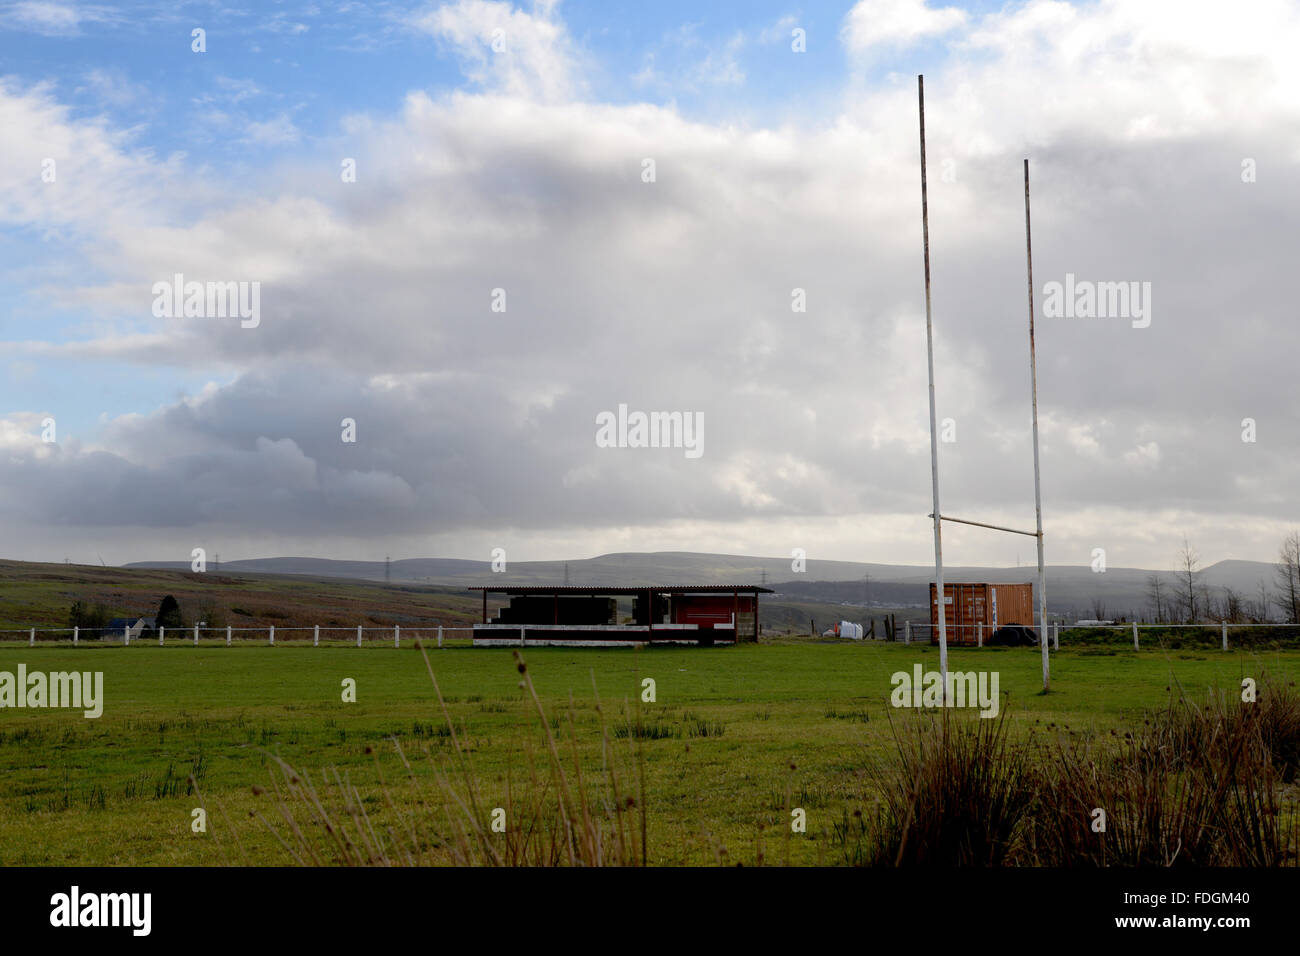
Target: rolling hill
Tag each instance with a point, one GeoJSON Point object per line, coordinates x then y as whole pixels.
{"type": "Point", "coordinates": [1071, 590]}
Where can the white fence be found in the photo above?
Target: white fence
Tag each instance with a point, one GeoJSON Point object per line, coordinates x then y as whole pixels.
{"type": "Point", "coordinates": [440, 636]}
{"type": "Point", "coordinates": [431, 636]}
{"type": "Point", "coordinates": [920, 630]}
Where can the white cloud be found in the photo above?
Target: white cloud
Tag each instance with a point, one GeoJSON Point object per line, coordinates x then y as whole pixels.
{"type": "Point", "coordinates": [896, 23]}
{"type": "Point", "coordinates": [51, 18]}
{"type": "Point", "coordinates": [721, 67]}
{"type": "Point", "coordinates": [1144, 457]}
{"type": "Point", "coordinates": [778, 32]}
{"type": "Point", "coordinates": [101, 181]}
{"type": "Point", "coordinates": [684, 62]}
{"type": "Point", "coordinates": [232, 90]}
{"type": "Point", "coordinates": [114, 88]}
{"type": "Point", "coordinates": [507, 49]}
{"type": "Point", "coordinates": [276, 131]}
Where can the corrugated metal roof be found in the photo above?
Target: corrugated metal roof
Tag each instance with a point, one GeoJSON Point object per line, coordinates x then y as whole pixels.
{"type": "Point", "coordinates": [622, 589]}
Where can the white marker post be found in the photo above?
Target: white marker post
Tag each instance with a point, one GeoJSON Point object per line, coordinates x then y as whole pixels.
{"type": "Point", "coordinates": [227, 635]}
{"type": "Point", "coordinates": [358, 635]}
{"type": "Point", "coordinates": [315, 636]}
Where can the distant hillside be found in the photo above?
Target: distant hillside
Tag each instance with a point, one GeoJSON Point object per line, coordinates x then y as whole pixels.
{"type": "Point", "coordinates": [1071, 590]}
{"type": "Point", "coordinates": [412, 571]}
{"type": "Point", "coordinates": [41, 595]}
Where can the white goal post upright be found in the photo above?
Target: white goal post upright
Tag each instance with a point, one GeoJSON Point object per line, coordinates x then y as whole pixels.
{"type": "Point", "coordinates": [934, 435]}
{"type": "Point", "coordinates": [1038, 495]}
{"type": "Point", "coordinates": [937, 515]}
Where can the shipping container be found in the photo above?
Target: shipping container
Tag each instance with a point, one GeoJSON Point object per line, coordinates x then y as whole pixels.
{"type": "Point", "coordinates": [968, 606]}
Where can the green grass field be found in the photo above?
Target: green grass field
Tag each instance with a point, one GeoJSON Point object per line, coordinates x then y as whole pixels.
{"type": "Point", "coordinates": [736, 734]}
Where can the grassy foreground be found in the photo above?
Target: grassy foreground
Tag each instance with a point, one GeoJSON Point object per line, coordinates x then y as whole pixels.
{"type": "Point", "coordinates": [735, 737]}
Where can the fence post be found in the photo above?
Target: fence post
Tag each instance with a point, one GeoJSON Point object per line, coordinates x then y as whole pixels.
{"type": "Point", "coordinates": [272, 633]}
{"type": "Point", "coordinates": [358, 635]}
{"type": "Point", "coordinates": [126, 634]}
{"type": "Point", "coordinates": [196, 635]}
{"type": "Point", "coordinates": [522, 631]}
{"type": "Point", "coordinates": [1135, 635]}
{"type": "Point", "coordinates": [979, 634]}
{"type": "Point", "coordinates": [397, 635]}
{"type": "Point", "coordinates": [440, 635]}
{"type": "Point", "coordinates": [31, 641]}
{"type": "Point", "coordinates": [1225, 635]}
{"type": "Point", "coordinates": [161, 630]}
{"type": "Point", "coordinates": [315, 636]}
{"type": "Point", "coordinates": [76, 632]}
{"type": "Point", "coordinates": [227, 635]}
{"type": "Point", "coordinates": [907, 632]}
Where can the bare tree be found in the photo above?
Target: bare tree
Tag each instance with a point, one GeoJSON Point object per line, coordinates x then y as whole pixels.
{"type": "Point", "coordinates": [1188, 568]}
{"type": "Point", "coordinates": [1287, 571]}
{"type": "Point", "coordinates": [1259, 611]}
{"type": "Point", "coordinates": [1098, 609]}
{"type": "Point", "coordinates": [1233, 607]}
{"type": "Point", "coordinates": [1209, 607]}
{"type": "Point", "coordinates": [1156, 595]}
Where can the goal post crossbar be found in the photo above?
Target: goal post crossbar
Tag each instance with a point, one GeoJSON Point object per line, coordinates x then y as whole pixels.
{"type": "Point", "coordinates": [981, 524]}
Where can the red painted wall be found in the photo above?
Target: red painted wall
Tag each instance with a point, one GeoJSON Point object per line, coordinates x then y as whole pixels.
{"type": "Point", "coordinates": [709, 609]}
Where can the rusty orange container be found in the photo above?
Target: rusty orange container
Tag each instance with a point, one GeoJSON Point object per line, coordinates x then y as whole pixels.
{"type": "Point", "coordinates": [968, 606]}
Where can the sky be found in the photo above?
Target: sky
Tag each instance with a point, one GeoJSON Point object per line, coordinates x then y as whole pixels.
{"type": "Point", "coordinates": [466, 233]}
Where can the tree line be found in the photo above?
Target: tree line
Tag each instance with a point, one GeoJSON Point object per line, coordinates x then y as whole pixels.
{"type": "Point", "coordinates": [1188, 600]}
{"type": "Point", "coordinates": [92, 620]}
